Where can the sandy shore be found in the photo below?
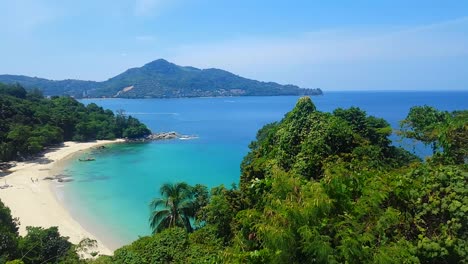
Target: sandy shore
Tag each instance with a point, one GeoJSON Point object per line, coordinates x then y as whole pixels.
{"type": "Point", "coordinates": [35, 203]}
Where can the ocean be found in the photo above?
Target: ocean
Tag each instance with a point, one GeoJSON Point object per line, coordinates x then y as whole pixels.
{"type": "Point", "coordinates": [110, 196]}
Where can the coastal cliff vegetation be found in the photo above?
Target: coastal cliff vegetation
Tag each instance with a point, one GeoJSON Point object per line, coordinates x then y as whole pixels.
{"type": "Point", "coordinates": [30, 122]}
{"type": "Point", "coordinates": [316, 187]}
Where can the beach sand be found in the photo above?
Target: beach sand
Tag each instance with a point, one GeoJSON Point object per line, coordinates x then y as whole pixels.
{"type": "Point", "coordinates": [35, 203]}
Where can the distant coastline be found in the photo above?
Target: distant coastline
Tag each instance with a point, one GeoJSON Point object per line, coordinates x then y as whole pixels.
{"type": "Point", "coordinates": [161, 79]}
{"type": "Point", "coordinates": [39, 205]}
{"type": "Point", "coordinates": [208, 97]}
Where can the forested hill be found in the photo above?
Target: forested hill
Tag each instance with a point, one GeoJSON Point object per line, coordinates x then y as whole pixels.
{"type": "Point", "coordinates": [161, 79]}
{"type": "Point", "coordinates": [30, 122]}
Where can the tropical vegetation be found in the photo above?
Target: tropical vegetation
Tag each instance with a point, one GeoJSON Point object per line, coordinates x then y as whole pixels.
{"type": "Point", "coordinates": [178, 206]}
{"type": "Point", "coordinates": [315, 187]}
{"type": "Point", "coordinates": [39, 245]}
{"type": "Point", "coordinates": [331, 188]}
{"type": "Point", "coordinates": [30, 122]}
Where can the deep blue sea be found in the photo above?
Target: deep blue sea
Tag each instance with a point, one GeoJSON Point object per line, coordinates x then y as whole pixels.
{"type": "Point", "coordinates": [110, 196]}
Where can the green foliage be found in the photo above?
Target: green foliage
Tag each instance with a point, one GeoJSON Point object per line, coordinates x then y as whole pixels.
{"type": "Point", "coordinates": [14, 90]}
{"type": "Point", "coordinates": [220, 212]}
{"type": "Point", "coordinates": [420, 124]}
{"type": "Point", "coordinates": [45, 246]}
{"type": "Point", "coordinates": [30, 123]}
{"type": "Point", "coordinates": [8, 234]}
{"type": "Point", "coordinates": [86, 246]}
{"type": "Point", "coordinates": [178, 206]}
{"type": "Point", "coordinates": [16, 261]}
{"type": "Point", "coordinates": [172, 245]}
{"type": "Point", "coordinates": [329, 188]}
{"type": "Point", "coordinates": [446, 133]}
{"type": "Point", "coordinates": [204, 246]}
{"type": "Point", "coordinates": [102, 259]}
{"type": "Point", "coordinates": [125, 255]}
{"type": "Point", "coordinates": [133, 128]}
{"type": "Point", "coordinates": [161, 79]}
{"type": "Point", "coordinates": [306, 140]}
{"type": "Point", "coordinates": [169, 246]}
{"type": "Point", "coordinates": [200, 199]}
{"type": "Point", "coordinates": [453, 138]}
{"type": "Point", "coordinates": [440, 200]}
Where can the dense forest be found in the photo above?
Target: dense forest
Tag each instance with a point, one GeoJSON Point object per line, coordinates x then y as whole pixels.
{"type": "Point", "coordinates": [161, 79]}
{"type": "Point", "coordinates": [315, 187]}
{"type": "Point", "coordinates": [30, 122]}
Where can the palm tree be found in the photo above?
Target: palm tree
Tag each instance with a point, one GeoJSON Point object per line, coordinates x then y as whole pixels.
{"type": "Point", "coordinates": [175, 208]}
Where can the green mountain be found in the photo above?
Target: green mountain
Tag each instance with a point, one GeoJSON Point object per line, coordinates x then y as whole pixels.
{"type": "Point", "coordinates": [49, 87]}
{"type": "Point", "coordinates": [161, 79]}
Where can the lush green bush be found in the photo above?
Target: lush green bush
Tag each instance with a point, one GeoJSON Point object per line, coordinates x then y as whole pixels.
{"type": "Point", "coordinates": [330, 188]}
{"type": "Point", "coordinates": [173, 245]}
{"type": "Point", "coordinates": [169, 246]}
{"type": "Point", "coordinates": [45, 246]}
{"type": "Point", "coordinates": [40, 245]}
{"type": "Point", "coordinates": [8, 234]}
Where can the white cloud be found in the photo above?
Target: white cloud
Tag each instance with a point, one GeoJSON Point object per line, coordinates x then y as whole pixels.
{"type": "Point", "coordinates": [309, 58]}
{"type": "Point", "coordinates": [148, 7]}
{"type": "Point", "coordinates": [341, 45]}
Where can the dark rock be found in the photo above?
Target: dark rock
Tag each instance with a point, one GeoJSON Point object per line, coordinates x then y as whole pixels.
{"type": "Point", "coordinates": [156, 136]}
{"type": "Point", "coordinates": [5, 166]}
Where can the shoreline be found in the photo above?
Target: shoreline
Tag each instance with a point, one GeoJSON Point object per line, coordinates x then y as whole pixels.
{"type": "Point", "coordinates": [195, 97]}
{"type": "Point", "coordinates": [35, 203]}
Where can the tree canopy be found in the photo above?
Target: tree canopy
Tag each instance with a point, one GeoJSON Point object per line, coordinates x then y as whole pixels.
{"type": "Point", "coordinates": [446, 133]}
{"type": "Point", "coordinates": [31, 122]}
{"type": "Point", "coordinates": [39, 245]}
{"type": "Point", "coordinates": [178, 206]}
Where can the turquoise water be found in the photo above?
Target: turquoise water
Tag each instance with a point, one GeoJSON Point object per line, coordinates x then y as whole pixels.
{"type": "Point", "coordinates": [110, 196]}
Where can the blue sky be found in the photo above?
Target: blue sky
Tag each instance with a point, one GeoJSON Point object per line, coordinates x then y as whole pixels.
{"type": "Point", "coordinates": [334, 44]}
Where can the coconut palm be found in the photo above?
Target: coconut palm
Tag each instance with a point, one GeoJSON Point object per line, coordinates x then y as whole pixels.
{"type": "Point", "coordinates": [175, 208]}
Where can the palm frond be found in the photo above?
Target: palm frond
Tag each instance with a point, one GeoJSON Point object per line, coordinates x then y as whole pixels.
{"type": "Point", "coordinates": [164, 224]}
{"type": "Point", "coordinates": [157, 217]}
{"type": "Point", "coordinates": [158, 202]}
{"type": "Point", "coordinates": [188, 208]}
{"type": "Point", "coordinates": [166, 189]}
{"type": "Point", "coordinates": [176, 208]}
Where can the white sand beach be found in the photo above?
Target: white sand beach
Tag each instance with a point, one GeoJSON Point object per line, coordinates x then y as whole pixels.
{"type": "Point", "coordinates": [35, 203]}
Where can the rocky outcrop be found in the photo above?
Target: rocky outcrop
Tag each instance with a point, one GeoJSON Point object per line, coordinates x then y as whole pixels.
{"type": "Point", "coordinates": [59, 178]}
{"type": "Point", "coordinates": [5, 166]}
{"type": "Point", "coordinates": [157, 136]}
{"type": "Point", "coordinates": [164, 135]}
